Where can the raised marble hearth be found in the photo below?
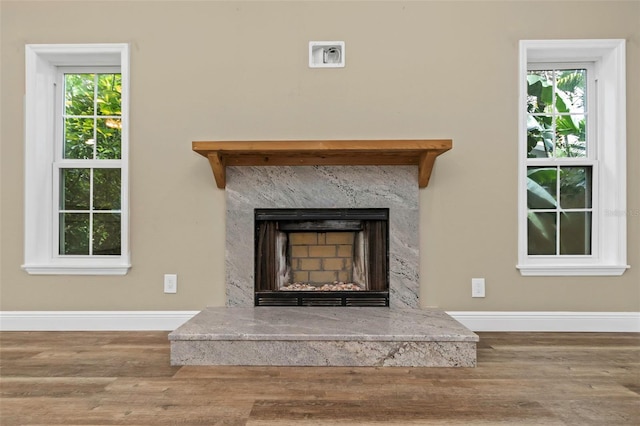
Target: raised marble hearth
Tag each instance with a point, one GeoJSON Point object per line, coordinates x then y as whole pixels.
{"type": "Point", "coordinates": [323, 336]}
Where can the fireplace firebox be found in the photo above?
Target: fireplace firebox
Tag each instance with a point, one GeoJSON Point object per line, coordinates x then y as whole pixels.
{"type": "Point", "coordinates": [321, 257]}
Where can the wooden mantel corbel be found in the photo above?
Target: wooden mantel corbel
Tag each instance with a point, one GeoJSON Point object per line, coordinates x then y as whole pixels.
{"type": "Point", "coordinates": [402, 152]}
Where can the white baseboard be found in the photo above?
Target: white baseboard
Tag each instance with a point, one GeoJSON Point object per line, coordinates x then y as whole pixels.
{"type": "Point", "coordinates": [550, 321]}
{"type": "Point", "coordinates": [170, 320]}
{"type": "Point", "coordinates": [93, 320]}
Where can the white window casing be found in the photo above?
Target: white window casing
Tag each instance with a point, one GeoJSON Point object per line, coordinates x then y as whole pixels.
{"type": "Point", "coordinates": [43, 62]}
{"type": "Point", "coordinates": [609, 227]}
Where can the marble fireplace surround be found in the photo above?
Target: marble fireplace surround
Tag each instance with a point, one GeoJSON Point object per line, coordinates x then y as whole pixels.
{"type": "Point", "coordinates": [400, 335]}
{"type": "Point", "coordinates": [260, 187]}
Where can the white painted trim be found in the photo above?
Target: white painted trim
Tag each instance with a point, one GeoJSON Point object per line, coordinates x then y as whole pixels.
{"type": "Point", "coordinates": [549, 321]}
{"type": "Point", "coordinates": [93, 320]}
{"type": "Point", "coordinates": [610, 222]}
{"type": "Point", "coordinates": [77, 269]}
{"type": "Point", "coordinates": [41, 66]}
{"type": "Point", "coordinates": [170, 320]}
{"type": "Point", "coordinates": [571, 270]}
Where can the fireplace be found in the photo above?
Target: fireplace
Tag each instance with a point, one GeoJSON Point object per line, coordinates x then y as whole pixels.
{"type": "Point", "coordinates": [321, 257]}
{"type": "Point", "coordinates": [291, 206]}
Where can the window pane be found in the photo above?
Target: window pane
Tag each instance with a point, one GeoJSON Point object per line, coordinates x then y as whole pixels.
{"type": "Point", "coordinates": [541, 233]}
{"type": "Point", "coordinates": [74, 233]}
{"type": "Point", "coordinates": [78, 138]}
{"type": "Point", "coordinates": [575, 233]}
{"type": "Point", "coordinates": [571, 136]}
{"type": "Point", "coordinates": [541, 187]}
{"type": "Point", "coordinates": [106, 189]}
{"type": "Point", "coordinates": [575, 187]}
{"type": "Point", "coordinates": [539, 91]}
{"type": "Point", "coordinates": [106, 234]}
{"type": "Point", "coordinates": [540, 137]}
{"type": "Point", "coordinates": [556, 107]}
{"type": "Point", "coordinates": [109, 138]}
{"type": "Point", "coordinates": [571, 90]}
{"type": "Point", "coordinates": [78, 94]}
{"type": "Point", "coordinates": [109, 94]}
{"type": "Point", "coordinates": [75, 189]}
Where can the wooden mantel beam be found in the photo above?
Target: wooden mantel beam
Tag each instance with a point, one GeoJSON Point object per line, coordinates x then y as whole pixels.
{"type": "Point", "coordinates": [420, 152]}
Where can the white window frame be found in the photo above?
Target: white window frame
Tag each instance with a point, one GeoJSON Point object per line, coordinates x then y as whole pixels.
{"type": "Point", "coordinates": [608, 156]}
{"type": "Point", "coordinates": [42, 64]}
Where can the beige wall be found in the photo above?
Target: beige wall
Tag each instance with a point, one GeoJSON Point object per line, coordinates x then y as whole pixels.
{"type": "Point", "coordinates": [238, 70]}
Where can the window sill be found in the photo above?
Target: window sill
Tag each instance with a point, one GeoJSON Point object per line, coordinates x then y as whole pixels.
{"type": "Point", "coordinates": [70, 269]}
{"type": "Point", "coordinates": [571, 270]}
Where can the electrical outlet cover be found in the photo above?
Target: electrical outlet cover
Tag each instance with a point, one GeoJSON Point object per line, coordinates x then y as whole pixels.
{"type": "Point", "coordinates": [477, 287]}
{"type": "Point", "coordinates": [170, 283]}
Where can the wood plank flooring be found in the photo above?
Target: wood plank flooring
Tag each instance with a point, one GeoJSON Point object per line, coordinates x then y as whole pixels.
{"type": "Point", "coordinates": [124, 378]}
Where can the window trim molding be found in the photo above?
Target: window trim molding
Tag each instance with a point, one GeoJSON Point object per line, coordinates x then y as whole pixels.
{"type": "Point", "coordinates": [609, 257]}
{"type": "Point", "coordinates": [41, 66]}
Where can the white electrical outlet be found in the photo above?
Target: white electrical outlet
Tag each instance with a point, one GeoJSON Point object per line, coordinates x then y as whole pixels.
{"type": "Point", "coordinates": [170, 283]}
{"type": "Point", "coordinates": [477, 287]}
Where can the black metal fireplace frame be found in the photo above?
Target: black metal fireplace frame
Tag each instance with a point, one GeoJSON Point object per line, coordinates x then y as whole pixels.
{"type": "Point", "coordinates": [322, 298]}
{"type": "Point", "coordinates": [303, 219]}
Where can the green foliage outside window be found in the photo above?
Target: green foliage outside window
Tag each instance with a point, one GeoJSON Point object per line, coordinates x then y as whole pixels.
{"type": "Point", "coordinates": [90, 198]}
{"type": "Point", "coordinates": [559, 194]}
{"type": "Point", "coordinates": [93, 107]}
{"type": "Point", "coordinates": [558, 197]}
{"type": "Point", "coordinates": [556, 124]}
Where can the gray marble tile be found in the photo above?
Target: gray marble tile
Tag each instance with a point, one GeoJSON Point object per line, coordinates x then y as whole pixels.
{"type": "Point", "coordinates": [323, 323]}
{"type": "Point", "coordinates": [393, 187]}
{"type": "Point", "coordinates": [239, 257]}
{"type": "Point", "coordinates": [319, 336]}
{"type": "Point", "coordinates": [324, 353]}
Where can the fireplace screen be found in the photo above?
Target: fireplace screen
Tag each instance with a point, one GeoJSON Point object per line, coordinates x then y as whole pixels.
{"type": "Point", "coordinates": [321, 257]}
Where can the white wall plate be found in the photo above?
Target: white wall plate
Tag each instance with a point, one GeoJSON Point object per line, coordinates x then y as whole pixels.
{"type": "Point", "coordinates": [326, 54]}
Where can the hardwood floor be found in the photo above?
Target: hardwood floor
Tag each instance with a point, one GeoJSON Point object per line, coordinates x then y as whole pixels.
{"type": "Point", "coordinates": [105, 378]}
